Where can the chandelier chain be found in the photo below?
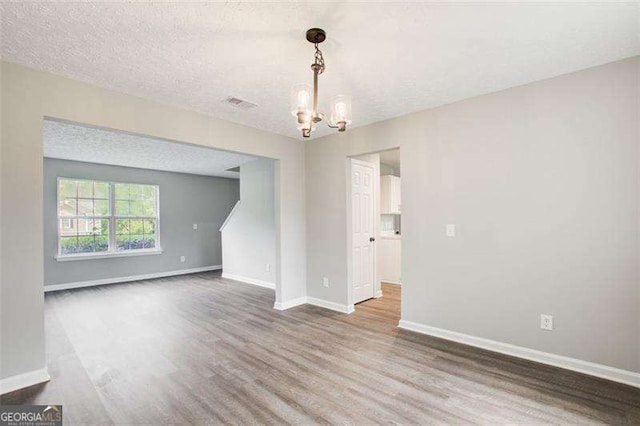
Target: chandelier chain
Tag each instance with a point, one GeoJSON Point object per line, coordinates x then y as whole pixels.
{"type": "Point", "coordinates": [319, 60]}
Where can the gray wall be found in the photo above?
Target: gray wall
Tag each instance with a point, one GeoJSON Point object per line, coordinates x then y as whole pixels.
{"type": "Point", "coordinates": [542, 183]}
{"type": "Point", "coordinates": [184, 200]}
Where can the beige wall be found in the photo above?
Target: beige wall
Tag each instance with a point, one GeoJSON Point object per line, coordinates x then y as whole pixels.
{"type": "Point", "coordinates": [542, 183]}
{"type": "Point", "coordinates": [248, 237]}
{"type": "Point", "coordinates": [30, 95]}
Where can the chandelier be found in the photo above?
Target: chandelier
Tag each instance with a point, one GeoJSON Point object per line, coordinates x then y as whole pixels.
{"type": "Point", "coordinates": [305, 107]}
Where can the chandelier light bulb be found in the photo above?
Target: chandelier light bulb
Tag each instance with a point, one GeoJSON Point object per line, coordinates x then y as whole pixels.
{"type": "Point", "coordinates": [303, 98]}
{"type": "Point", "coordinates": [341, 112]}
{"type": "Point", "coordinates": [301, 101]}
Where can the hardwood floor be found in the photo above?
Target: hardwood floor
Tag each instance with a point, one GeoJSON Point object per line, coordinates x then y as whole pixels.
{"type": "Point", "coordinates": [202, 349]}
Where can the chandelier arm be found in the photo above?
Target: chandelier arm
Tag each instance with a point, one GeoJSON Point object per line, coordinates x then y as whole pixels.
{"type": "Point", "coordinates": [340, 125]}
{"type": "Point", "coordinates": [315, 93]}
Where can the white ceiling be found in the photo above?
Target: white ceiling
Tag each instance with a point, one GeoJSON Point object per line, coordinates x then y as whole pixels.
{"type": "Point", "coordinates": [80, 143]}
{"type": "Point", "coordinates": [393, 58]}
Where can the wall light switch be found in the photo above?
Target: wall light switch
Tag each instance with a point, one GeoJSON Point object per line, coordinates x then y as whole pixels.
{"type": "Point", "coordinates": [451, 230]}
{"type": "Point", "coordinates": [546, 322]}
{"type": "Point", "coordinates": [195, 226]}
{"type": "Point", "coordinates": [325, 282]}
{"type": "Point", "coordinates": [182, 258]}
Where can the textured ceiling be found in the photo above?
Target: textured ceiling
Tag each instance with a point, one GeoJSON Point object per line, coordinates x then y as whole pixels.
{"type": "Point", "coordinates": [393, 58]}
{"type": "Point", "coordinates": [80, 143]}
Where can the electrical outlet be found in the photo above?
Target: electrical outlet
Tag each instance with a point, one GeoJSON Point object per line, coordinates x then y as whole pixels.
{"type": "Point", "coordinates": [182, 258]}
{"type": "Point", "coordinates": [451, 230]}
{"type": "Point", "coordinates": [546, 322]}
{"type": "Point", "coordinates": [267, 268]}
{"type": "Point", "coordinates": [325, 282]}
{"type": "Point", "coordinates": [195, 226]}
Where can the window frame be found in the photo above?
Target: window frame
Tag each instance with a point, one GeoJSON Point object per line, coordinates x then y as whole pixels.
{"type": "Point", "coordinates": [112, 218]}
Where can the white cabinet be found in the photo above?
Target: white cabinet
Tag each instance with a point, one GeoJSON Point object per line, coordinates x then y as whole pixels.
{"type": "Point", "coordinates": [390, 201]}
{"type": "Point", "coordinates": [389, 259]}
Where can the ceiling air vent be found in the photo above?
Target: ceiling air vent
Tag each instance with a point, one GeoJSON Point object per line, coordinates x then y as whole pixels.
{"type": "Point", "coordinates": [239, 103]}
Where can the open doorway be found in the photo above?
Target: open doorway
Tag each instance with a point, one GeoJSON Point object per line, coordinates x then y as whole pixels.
{"type": "Point", "coordinates": [374, 230]}
{"type": "Point", "coordinates": [122, 207]}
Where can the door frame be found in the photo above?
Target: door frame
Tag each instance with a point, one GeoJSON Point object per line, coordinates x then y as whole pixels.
{"type": "Point", "coordinates": [377, 292]}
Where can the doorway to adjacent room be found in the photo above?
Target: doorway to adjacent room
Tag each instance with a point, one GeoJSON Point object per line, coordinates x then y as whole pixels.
{"type": "Point", "coordinates": [374, 225]}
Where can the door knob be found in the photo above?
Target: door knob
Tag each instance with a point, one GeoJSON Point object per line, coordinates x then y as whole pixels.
{"type": "Point", "coordinates": [372, 239]}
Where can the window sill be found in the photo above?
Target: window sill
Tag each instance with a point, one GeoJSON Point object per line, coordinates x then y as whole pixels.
{"type": "Point", "coordinates": [72, 257]}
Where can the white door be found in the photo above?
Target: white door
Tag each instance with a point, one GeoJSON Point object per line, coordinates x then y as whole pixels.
{"type": "Point", "coordinates": [363, 229]}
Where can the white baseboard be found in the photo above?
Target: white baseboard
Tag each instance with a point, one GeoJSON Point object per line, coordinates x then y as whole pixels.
{"type": "Point", "coordinates": [24, 380]}
{"type": "Point", "coordinates": [116, 280]}
{"type": "Point", "coordinates": [378, 294]}
{"type": "Point", "coordinates": [598, 370]}
{"type": "Point", "coordinates": [248, 280]}
{"type": "Point", "coordinates": [391, 282]}
{"type": "Point", "coordinates": [282, 306]}
{"type": "Point", "coordinates": [345, 309]}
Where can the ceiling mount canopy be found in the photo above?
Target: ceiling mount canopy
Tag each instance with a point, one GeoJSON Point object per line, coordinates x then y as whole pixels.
{"type": "Point", "coordinates": [316, 35]}
{"type": "Point", "coordinates": [304, 98]}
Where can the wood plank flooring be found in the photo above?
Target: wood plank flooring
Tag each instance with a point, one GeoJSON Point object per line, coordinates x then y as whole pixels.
{"type": "Point", "coordinates": [202, 349]}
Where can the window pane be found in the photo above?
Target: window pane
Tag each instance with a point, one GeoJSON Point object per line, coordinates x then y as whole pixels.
{"type": "Point", "coordinates": [122, 242]}
{"type": "Point", "coordinates": [101, 243]}
{"type": "Point", "coordinates": [86, 244]}
{"type": "Point", "coordinates": [136, 242]}
{"type": "Point", "coordinates": [149, 241]}
{"type": "Point", "coordinates": [122, 191]}
{"type": "Point", "coordinates": [135, 192]}
{"type": "Point", "coordinates": [122, 208]}
{"type": "Point", "coordinates": [85, 189]}
{"type": "Point", "coordinates": [85, 207]}
{"type": "Point", "coordinates": [67, 207]}
{"type": "Point", "coordinates": [68, 245]}
{"type": "Point", "coordinates": [136, 226]}
{"type": "Point", "coordinates": [149, 226]}
{"type": "Point", "coordinates": [101, 190]}
{"type": "Point", "coordinates": [103, 227]}
{"type": "Point", "coordinates": [122, 227]}
{"type": "Point", "coordinates": [148, 192]}
{"type": "Point", "coordinates": [101, 207]}
{"type": "Point", "coordinates": [149, 207]}
{"type": "Point", "coordinates": [67, 227]}
{"type": "Point", "coordinates": [67, 188]}
{"type": "Point", "coordinates": [85, 227]}
{"type": "Point", "coordinates": [135, 208]}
